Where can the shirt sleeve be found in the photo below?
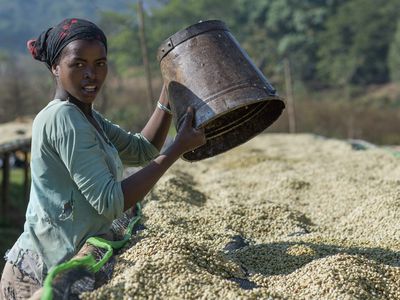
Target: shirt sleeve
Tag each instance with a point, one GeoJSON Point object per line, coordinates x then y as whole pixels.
{"type": "Point", "coordinates": [133, 149]}
{"type": "Point", "coordinates": [78, 148]}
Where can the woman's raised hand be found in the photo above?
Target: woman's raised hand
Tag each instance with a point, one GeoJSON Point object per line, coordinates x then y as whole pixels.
{"type": "Point", "coordinates": [136, 186]}
{"type": "Point", "coordinates": [189, 138]}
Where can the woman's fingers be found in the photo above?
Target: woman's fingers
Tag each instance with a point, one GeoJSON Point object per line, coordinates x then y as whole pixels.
{"type": "Point", "coordinates": [200, 130]}
{"type": "Point", "coordinates": [189, 138]}
{"type": "Point", "coordinates": [201, 133]}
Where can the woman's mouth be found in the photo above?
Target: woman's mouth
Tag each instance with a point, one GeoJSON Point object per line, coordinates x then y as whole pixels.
{"type": "Point", "coordinates": [90, 89]}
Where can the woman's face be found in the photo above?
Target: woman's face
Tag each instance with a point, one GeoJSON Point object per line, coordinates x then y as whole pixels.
{"type": "Point", "coordinates": [82, 69]}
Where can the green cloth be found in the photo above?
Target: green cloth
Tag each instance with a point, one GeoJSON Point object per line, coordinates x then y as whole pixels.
{"type": "Point", "coordinates": [76, 180]}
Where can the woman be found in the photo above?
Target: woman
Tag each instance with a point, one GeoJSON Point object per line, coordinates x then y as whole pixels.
{"type": "Point", "coordinates": [77, 188]}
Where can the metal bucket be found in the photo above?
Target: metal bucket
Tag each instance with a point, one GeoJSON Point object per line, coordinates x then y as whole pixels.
{"type": "Point", "coordinates": [203, 66]}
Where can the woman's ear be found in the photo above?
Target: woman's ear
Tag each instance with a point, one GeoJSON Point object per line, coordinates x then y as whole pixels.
{"type": "Point", "coordinates": [55, 69]}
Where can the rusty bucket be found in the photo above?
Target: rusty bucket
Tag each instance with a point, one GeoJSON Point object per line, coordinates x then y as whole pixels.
{"type": "Point", "coordinates": [203, 66]}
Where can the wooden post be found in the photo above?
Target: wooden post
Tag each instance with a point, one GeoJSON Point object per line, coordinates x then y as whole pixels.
{"type": "Point", "coordinates": [5, 184]}
{"type": "Point", "coordinates": [289, 96]}
{"type": "Point", "coordinates": [145, 55]}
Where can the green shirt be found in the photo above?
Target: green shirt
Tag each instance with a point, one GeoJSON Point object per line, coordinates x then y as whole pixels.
{"type": "Point", "coordinates": [76, 180]}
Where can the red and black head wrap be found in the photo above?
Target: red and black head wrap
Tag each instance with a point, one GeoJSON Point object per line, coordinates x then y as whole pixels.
{"type": "Point", "coordinates": [48, 46]}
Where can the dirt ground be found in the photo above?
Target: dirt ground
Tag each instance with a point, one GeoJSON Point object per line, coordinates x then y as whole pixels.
{"type": "Point", "coordinates": [280, 217]}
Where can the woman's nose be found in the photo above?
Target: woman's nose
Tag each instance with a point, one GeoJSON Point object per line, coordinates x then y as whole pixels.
{"type": "Point", "coordinates": [89, 73]}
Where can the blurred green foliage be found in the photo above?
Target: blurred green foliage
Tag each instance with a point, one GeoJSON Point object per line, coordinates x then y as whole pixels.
{"type": "Point", "coordinates": [329, 42]}
{"type": "Point", "coordinates": [21, 20]}
{"type": "Point", "coordinates": [354, 46]}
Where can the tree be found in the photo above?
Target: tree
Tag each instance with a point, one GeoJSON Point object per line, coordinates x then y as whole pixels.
{"type": "Point", "coordinates": [354, 47]}
{"type": "Point", "coordinates": [123, 39]}
{"type": "Point", "coordinates": [287, 29]}
{"type": "Point", "coordinates": [162, 20]}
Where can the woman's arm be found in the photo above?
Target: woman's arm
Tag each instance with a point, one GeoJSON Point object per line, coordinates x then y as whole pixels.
{"type": "Point", "coordinates": [136, 186]}
{"type": "Point", "coordinates": [157, 127]}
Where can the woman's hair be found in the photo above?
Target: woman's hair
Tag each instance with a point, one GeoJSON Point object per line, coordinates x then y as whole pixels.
{"type": "Point", "coordinates": [48, 46]}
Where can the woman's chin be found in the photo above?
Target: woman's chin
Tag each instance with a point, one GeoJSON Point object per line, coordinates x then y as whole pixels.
{"type": "Point", "coordinates": [87, 97]}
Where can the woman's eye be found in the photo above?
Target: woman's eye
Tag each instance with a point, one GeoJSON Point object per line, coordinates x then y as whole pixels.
{"type": "Point", "coordinates": [101, 63]}
{"type": "Point", "coordinates": [79, 65]}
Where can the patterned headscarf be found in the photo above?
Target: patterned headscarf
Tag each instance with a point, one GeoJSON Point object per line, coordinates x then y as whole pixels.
{"type": "Point", "coordinates": [48, 46]}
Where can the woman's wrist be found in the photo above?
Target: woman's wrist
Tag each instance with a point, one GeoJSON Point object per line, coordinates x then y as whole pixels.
{"type": "Point", "coordinates": [164, 108]}
{"type": "Point", "coordinates": [163, 99]}
{"type": "Point", "coordinates": [174, 150]}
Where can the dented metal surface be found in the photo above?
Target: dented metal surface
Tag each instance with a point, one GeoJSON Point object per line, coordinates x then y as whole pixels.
{"type": "Point", "coordinates": [203, 66]}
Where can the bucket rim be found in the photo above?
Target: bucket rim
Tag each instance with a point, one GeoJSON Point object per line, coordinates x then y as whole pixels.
{"type": "Point", "coordinates": [270, 98]}
{"type": "Point", "coordinates": [187, 33]}
{"type": "Point", "coordinates": [278, 105]}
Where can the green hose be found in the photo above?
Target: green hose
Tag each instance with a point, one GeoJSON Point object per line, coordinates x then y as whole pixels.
{"type": "Point", "coordinates": [86, 261]}
{"type": "Point", "coordinates": [89, 261]}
